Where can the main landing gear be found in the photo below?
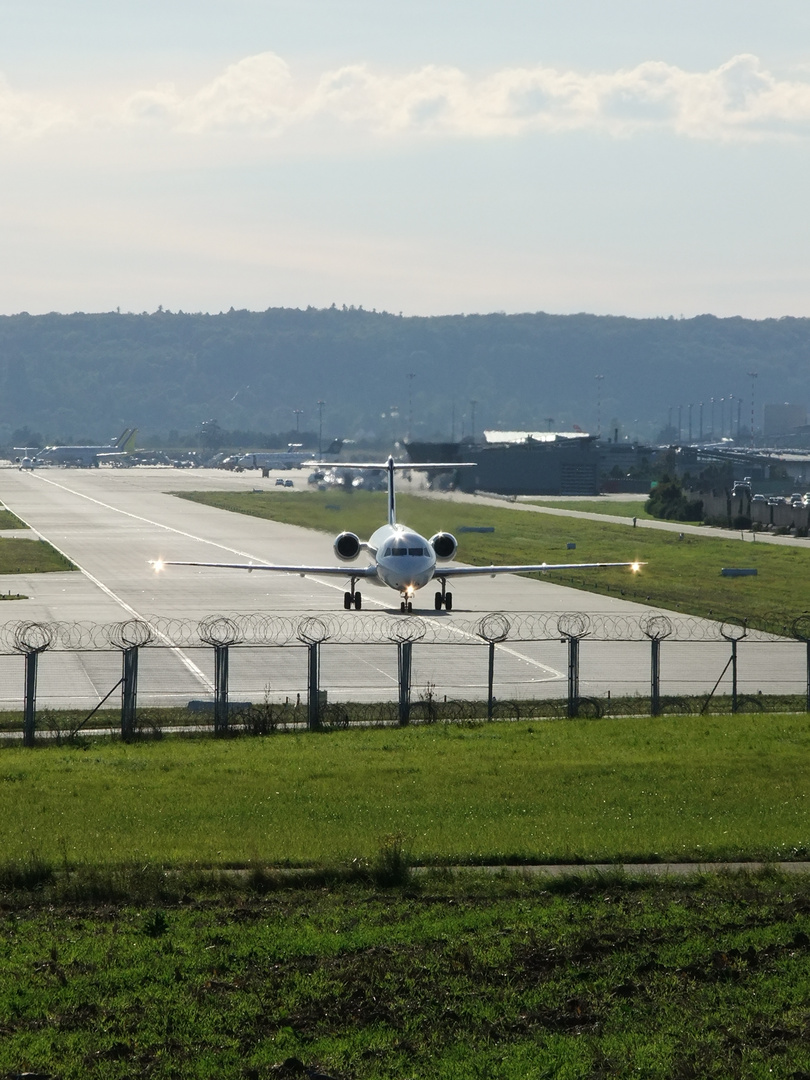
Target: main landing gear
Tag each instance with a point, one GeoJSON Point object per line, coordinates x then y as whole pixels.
{"type": "Point", "coordinates": [352, 599]}
{"type": "Point", "coordinates": [443, 599]}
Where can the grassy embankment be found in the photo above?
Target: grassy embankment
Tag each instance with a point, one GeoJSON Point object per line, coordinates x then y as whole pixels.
{"type": "Point", "coordinates": [682, 575]}
{"type": "Point", "coordinates": [445, 979]}
{"type": "Point", "coordinates": [617, 507]}
{"type": "Point", "coordinates": [21, 556]}
{"type": "Point", "coordinates": [680, 788]}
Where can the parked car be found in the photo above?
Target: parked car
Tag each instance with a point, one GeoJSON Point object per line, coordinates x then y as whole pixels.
{"type": "Point", "coordinates": [279, 481]}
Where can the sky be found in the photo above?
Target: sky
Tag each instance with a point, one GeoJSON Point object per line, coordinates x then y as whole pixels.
{"type": "Point", "coordinates": [625, 157]}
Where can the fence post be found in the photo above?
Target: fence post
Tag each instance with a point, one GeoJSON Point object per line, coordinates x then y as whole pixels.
{"type": "Point", "coordinates": [30, 714]}
{"type": "Point", "coordinates": [656, 627]}
{"type": "Point", "coordinates": [129, 636]}
{"type": "Point", "coordinates": [491, 680]}
{"type": "Point", "coordinates": [733, 632]}
{"type": "Point", "coordinates": [220, 689]}
{"type": "Point", "coordinates": [492, 628]}
{"type": "Point", "coordinates": [573, 676]}
{"type": "Point", "coordinates": [30, 639]}
{"type": "Point", "coordinates": [573, 626]}
{"type": "Point", "coordinates": [655, 676]}
{"type": "Point", "coordinates": [313, 631]}
{"type": "Point", "coordinates": [404, 657]}
{"type": "Point", "coordinates": [129, 692]}
{"type": "Point", "coordinates": [220, 632]}
{"type": "Point", "coordinates": [313, 686]}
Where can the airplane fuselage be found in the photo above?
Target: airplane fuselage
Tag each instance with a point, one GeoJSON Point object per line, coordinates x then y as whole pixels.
{"type": "Point", "coordinates": [405, 560]}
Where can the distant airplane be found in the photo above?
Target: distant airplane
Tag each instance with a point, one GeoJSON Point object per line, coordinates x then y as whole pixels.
{"type": "Point", "coordinates": [291, 458]}
{"type": "Point", "coordinates": [402, 559]}
{"type": "Point", "coordinates": [86, 456]}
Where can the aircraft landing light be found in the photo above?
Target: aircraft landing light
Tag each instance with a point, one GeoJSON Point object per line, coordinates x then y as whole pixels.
{"type": "Point", "coordinates": [158, 564]}
{"type": "Point", "coordinates": [635, 567]}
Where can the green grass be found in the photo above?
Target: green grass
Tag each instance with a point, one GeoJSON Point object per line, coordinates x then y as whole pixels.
{"type": "Point", "coordinates": [31, 557]}
{"type": "Point", "coordinates": [616, 507]}
{"type": "Point", "coordinates": [10, 521]}
{"type": "Point", "coordinates": [682, 575]}
{"type": "Point", "coordinates": [629, 789]}
{"type": "Point", "coordinates": [448, 979]}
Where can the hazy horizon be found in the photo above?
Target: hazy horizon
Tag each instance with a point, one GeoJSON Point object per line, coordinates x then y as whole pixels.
{"type": "Point", "coordinates": [622, 159]}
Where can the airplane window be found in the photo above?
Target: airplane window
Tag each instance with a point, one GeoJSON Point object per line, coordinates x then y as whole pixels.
{"type": "Point", "coordinates": [399, 551]}
{"type": "Point", "coordinates": [416, 551]}
{"type": "Point", "coordinates": [388, 551]}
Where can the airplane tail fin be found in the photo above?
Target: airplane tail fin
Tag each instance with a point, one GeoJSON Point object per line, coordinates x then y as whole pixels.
{"type": "Point", "coordinates": [126, 440]}
{"type": "Point", "coordinates": [391, 466]}
{"type": "Point", "coordinates": [334, 447]}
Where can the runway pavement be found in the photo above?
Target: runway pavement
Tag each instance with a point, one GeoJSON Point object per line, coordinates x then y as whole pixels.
{"type": "Point", "coordinates": [111, 522]}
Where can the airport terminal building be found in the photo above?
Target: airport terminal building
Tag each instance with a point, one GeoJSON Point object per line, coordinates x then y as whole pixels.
{"type": "Point", "coordinates": [521, 462]}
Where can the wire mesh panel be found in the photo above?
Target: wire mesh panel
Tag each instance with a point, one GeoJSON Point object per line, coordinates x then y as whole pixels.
{"type": "Point", "coordinates": [266, 674]}
{"type": "Point", "coordinates": [359, 673]}
{"type": "Point", "coordinates": [528, 657]}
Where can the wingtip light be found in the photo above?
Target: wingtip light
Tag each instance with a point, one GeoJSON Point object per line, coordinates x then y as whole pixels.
{"type": "Point", "coordinates": [158, 564]}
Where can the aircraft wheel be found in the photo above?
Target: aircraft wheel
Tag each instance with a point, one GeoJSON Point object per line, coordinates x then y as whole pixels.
{"type": "Point", "coordinates": [410, 607]}
{"type": "Point", "coordinates": [347, 600]}
{"type": "Point", "coordinates": [438, 601]}
{"type": "Point", "coordinates": [402, 607]}
{"type": "Point", "coordinates": [358, 601]}
{"type": "Point", "coordinates": [448, 601]}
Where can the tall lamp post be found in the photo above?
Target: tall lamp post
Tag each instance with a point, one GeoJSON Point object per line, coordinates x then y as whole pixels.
{"type": "Point", "coordinates": [320, 427]}
{"type": "Point", "coordinates": [411, 377]}
{"type": "Point", "coordinates": [752, 376]}
{"type": "Point", "coordinates": [473, 403]}
{"type": "Point", "coordinates": [599, 405]}
{"type": "Point", "coordinates": [297, 419]}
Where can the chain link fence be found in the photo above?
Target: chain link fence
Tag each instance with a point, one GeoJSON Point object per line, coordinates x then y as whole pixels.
{"type": "Point", "coordinates": [259, 672]}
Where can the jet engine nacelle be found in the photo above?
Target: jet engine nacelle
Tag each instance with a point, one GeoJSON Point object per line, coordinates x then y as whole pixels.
{"type": "Point", "coordinates": [444, 544]}
{"type": "Point", "coordinates": [347, 546]}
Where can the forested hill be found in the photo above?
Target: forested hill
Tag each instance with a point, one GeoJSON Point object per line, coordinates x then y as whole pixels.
{"type": "Point", "coordinates": [87, 376]}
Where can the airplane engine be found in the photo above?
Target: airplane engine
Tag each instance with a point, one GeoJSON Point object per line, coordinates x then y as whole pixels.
{"type": "Point", "coordinates": [444, 544]}
{"type": "Point", "coordinates": [347, 546]}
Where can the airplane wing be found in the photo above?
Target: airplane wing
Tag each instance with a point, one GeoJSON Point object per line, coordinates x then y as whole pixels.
{"type": "Point", "coordinates": [335, 571]}
{"type": "Point", "coordinates": [464, 571]}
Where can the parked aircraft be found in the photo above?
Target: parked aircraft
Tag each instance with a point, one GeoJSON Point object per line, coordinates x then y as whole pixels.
{"type": "Point", "coordinates": [401, 558]}
{"type": "Point", "coordinates": [88, 456]}
{"type": "Point", "coordinates": [291, 458]}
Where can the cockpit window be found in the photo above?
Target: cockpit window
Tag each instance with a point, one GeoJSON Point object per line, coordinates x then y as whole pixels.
{"type": "Point", "coordinates": [417, 551]}
{"type": "Point", "coordinates": [399, 551]}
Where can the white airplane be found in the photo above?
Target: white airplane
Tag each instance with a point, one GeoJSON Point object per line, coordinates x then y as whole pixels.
{"type": "Point", "coordinates": [87, 456]}
{"type": "Point", "coordinates": [402, 559]}
{"type": "Point", "coordinates": [292, 458]}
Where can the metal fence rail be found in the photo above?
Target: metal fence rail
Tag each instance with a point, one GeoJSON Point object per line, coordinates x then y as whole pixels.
{"type": "Point", "coordinates": [308, 669]}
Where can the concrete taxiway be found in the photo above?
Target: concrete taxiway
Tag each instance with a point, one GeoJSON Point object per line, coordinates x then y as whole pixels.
{"type": "Point", "coordinates": [111, 522]}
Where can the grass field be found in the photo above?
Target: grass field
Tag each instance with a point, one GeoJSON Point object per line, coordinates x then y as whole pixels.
{"type": "Point", "coordinates": [618, 507]}
{"type": "Point", "coordinates": [630, 789]}
{"type": "Point", "coordinates": [443, 978]}
{"type": "Point", "coordinates": [682, 575]}
{"type": "Point", "coordinates": [129, 949]}
{"type": "Point", "coordinates": [30, 557]}
{"type": "Point", "coordinates": [9, 520]}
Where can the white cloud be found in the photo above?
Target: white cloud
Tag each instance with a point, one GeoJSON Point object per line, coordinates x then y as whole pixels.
{"type": "Point", "coordinates": [260, 96]}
